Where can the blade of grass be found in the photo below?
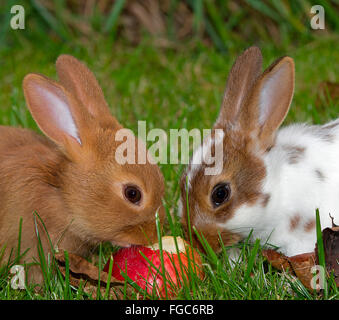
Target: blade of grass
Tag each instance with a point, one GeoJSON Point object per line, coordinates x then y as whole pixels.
{"type": "Point", "coordinates": [198, 10]}
{"type": "Point", "coordinates": [157, 221]}
{"type": "Point", "coordinates": [171, 19]}
{"type": "Point", "coordinates": [263, 8]}
{"type": "Point", "coordinates": [321, 251]}
{"type": "Point", "coordinates": [320, 244]}
{"type": "Point", "coordinates": [67, 291]}
{"type": "Point", "coordinates": [110, 268]}
{"type": "Point", "coordinates": [60, 276]}
{"type": "Point", "coordinates": [208, 249]}
{"type": "Point", "coordinates": [251, 259]}
{"type": "Point", "coordinates": [51, 21]}
{"type": "Point", "coordinates": [99, 296]}
{"type": "Point", "coordinates": [42, 258]}
{"type": "Point", "coordinates": [173, 229]}
{"type": "Point", "coordinates": [112, 20]}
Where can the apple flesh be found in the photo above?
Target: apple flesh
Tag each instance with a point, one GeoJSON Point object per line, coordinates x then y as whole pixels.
{"type": "Point", "coordinates": [149, 276]}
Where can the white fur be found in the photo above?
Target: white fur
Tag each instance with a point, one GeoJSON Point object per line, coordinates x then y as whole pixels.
{"type": "Point", "coordinates": [201, 154]}
{"type": "Point", "coordinates": [295, 189]}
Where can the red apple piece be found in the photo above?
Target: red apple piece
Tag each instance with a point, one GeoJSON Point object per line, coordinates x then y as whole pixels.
{"type": "Point", "coordinates": [148, 274]}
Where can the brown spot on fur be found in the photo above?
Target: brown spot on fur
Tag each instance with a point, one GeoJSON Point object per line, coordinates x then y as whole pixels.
{"type": "Point", "coordinates": [309, 226]}
{"type": "Point", "coordinates": [330, 138]}
{"type": "Point", "coordinates": [320, 175]}
{"type": "Point", "coordinates": [294, 222]}
{"type": "Point", "coordinates": [265, 199]}
{"type": "Point", "coordinates": [331, 126]}
{"type": "Point", "coordinates": [295, 153]}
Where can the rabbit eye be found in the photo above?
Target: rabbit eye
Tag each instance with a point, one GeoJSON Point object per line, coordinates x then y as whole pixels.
{"type": "Point", "coordinates": [132, 194]}
{"type": "Point", "coordinates": [220, 194]}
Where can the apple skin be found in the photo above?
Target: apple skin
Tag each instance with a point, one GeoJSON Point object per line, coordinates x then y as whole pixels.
{"type": "Point", "coordinates": [145, 274]}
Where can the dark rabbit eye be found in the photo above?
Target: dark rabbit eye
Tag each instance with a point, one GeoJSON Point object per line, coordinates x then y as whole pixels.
{"type": "Point", "coordinates": [132, 194]}
{"type": "Point", "coordinates": [220, 194]}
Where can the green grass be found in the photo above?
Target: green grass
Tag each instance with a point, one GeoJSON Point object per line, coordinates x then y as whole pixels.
{"type": "Point", "coordinates": [170, 89]}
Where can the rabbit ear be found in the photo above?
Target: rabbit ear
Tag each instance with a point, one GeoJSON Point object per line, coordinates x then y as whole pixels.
{"type": "Point", "coordinates": [243, 74]}
{"type": "Point", "coordinates": [81, 82]}
{"type": "Point", "coordinates": [53, 110]}
{"type": "Point", "coordinates": [270, 101]}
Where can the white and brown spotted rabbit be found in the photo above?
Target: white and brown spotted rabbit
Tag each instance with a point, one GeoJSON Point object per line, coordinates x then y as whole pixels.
{"type": "Point", "coordinates": [272, 181]}
{"type": "Point", "coordinates": [72, 179]}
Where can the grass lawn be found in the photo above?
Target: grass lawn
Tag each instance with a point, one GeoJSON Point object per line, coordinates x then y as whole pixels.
{"type": "Point", "coordinates": [169, 89]}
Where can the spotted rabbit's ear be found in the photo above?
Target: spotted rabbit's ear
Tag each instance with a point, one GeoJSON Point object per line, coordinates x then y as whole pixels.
{"type": "Point", "coordinates": [269, 101]}
{"type": "Point", "coordinates": [83, 85]}
{"type": "Point", "coordinates": [244, 72]}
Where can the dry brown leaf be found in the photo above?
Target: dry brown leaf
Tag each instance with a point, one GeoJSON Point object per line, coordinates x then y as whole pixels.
{"type": "Point", "coordinates": [301, 265]}
{"type": "Point", "coordinates": [331, 248]}
{"type": "Point", "coordinates": [80, 270]}
{"type": "Point", "coordinates": [276, 259]}
{"type": "Point", "coordinates": [149, 15]}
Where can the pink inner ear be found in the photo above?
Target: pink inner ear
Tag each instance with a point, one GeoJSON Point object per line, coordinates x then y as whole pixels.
{"type": "Point", "coordinates": [275, 93]}
{"type": "Point", "coordinates": [58, 111]}
{"type": "Point", "coordinates": [268, 96]}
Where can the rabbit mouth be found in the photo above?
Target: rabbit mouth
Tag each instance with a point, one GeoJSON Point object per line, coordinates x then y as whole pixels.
{"type": "Point", "coordinates": [122, 244]}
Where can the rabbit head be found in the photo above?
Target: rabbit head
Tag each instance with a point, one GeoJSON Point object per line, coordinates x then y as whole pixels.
{"type": "Point", "coordinates": [254, 106]}
{"type": "Point", "coordinates": [108, 200]}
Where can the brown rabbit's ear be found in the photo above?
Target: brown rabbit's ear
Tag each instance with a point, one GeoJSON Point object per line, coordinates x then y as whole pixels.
{"type": "Point", "coordinates": [54, 110]}
{"type": "Point", "coordinates": [244, 72]}
{"type": "Point", "coordinates": [81, 82]}
{"type": "Point", "coordinates": [269, 102]}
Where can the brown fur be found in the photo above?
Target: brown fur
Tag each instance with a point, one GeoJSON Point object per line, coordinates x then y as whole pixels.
{"type": "Point", "coordinates": [295, 153]}
{"type": "Point", "coordinates": [244, 171]}
{"type": "Point", "coordinates": [294, 222]}
{"type": "Point", "coordinates": [330, 138]}
{"type": "Point", "coordinates": [320, 175]}
{"type": "Point", "coordinates": [75, 189]}
{"type": "Point", "coordinates": [265, 200]}
{"type": "Point", "coordinates": [331, 126]}
{"type": "Point", "coordinates": [244, 73]}
{"type": "Point", "coordinates": [309, 226]}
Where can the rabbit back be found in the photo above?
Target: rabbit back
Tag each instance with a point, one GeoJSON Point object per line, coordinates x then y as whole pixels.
{"type": "Point", "coordinates": [302, 175]}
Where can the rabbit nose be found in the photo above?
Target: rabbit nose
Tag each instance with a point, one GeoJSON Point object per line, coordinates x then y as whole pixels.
{"type": "Point", "coordinates": [204, 238]}
{"type": "Point", "coordinates": [210, 240]}
{"type": "Point", "coordinates": [199, 242]}
{"type": "Point", "coordinates": [151, 234]}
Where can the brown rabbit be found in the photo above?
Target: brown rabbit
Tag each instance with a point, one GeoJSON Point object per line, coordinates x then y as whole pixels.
{"type": "Point", "coordinates": [73, 180]}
